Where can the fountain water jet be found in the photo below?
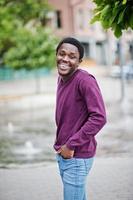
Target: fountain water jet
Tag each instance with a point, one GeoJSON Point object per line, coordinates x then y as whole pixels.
{"type": "Point", "coordinates": [10, 128]}
{"type": "Point", "coordinates": [28, 150]}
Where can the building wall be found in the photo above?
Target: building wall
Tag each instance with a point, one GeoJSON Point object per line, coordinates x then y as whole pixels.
{"type": "Point", "coordinates": [91, 36]}
{"type": "Point", "coordinates": [75, 17]}
{"type": "Point", "coordinates": [66, 17]}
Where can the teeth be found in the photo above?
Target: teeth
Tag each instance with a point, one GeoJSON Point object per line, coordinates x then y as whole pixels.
{"type": "Point", "coordinates": [63, 66]}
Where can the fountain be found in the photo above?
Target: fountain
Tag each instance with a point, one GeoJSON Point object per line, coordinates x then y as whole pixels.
{"type": "Point", "coordinates": [28, 150]}
{"type": "Point", "coordinates": [10, 128]}
{"type": "Point", "coordinates": [24, 137]}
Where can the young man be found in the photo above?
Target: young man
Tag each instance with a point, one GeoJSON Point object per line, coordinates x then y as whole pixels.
{"type": "Point", "coordinates": [80, 115]}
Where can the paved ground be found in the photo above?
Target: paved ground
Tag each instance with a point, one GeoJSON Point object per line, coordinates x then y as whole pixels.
{"type": "Point", "coordinates": [110, 179]}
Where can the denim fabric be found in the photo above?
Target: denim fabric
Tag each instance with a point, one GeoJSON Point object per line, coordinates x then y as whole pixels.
{"type": "Point", "coordinates": [74, 172]}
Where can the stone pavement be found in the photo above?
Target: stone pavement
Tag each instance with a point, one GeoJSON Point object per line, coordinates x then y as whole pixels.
{"type": "Point", "coordinates": [109, 179]}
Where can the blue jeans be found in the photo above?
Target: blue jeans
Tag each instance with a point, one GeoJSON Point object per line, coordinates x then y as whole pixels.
{"type": "Point", "coordinates": [74, 172]}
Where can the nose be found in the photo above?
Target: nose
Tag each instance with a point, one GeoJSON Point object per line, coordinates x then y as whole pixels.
{"type": "Point", "coordinates": [65, 58]}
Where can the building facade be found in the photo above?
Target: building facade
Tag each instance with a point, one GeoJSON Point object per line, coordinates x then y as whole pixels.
{"type": "Point", "coordinates": [72, 18]}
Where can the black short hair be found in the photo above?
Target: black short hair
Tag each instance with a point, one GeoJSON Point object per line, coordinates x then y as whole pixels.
{"type": "Point", "coordinates": [74, 42]}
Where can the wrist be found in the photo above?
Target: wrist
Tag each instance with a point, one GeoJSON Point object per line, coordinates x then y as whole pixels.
{"type": "Point", "coordinates": [70, 147]}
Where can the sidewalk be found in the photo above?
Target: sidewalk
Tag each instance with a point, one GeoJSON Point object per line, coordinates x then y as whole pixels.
{"type": "Point", "coordinates": [110, 179]}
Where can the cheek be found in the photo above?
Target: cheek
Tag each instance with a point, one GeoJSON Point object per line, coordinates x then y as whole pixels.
{"type": "Point", "coordinates": [75, 63]}
{"type": "Point", "coordinates": [58, 58]}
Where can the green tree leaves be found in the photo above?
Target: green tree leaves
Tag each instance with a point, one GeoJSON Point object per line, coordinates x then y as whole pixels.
{"type": "Point", "coordinates": [114, 14]}
{"type": "Point", "coordinates": [32, 50]}
{"type": "Point", "coordinates": [21, 46]}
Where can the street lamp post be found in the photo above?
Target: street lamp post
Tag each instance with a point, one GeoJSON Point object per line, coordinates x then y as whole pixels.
{"type": "Point", "coordinates": [122, 77]}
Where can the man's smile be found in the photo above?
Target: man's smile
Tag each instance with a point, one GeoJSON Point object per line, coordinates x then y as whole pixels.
{"type": "Point", "coordinates": [63, 66]}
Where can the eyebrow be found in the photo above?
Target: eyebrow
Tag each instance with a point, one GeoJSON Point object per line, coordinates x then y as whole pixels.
{"type": "Point", "coordinates": [70, 52]}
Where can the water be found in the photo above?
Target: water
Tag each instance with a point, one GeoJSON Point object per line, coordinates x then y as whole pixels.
{"type": "Point", "coordinates": [10, 128]}
{"type": "Point", "coordinates": [27, 133]}
{"type": "Point", "coordinates": [28, 150]}
{"type": "Point", "coordinates": [27, 127]}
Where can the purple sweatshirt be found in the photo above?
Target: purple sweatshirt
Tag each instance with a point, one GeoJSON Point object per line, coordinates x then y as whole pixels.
{"type": "Point", "coordinates": [80, 114]}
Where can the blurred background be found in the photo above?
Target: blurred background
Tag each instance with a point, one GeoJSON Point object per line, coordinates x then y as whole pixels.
{"type": "Point", "coordinates": [29, 33]}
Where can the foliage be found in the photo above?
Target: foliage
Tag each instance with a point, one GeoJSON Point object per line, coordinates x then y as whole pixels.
{"type": "Point", "coordinates": [14, 14]}
{"type": "Point", "coordinates": [24, 10]}
{"type": "Point", "coordinates": [114, 14]}
{"type": "Point", "coordinates": [32, 50]}
{"type": "Point", "coordinates": [21, 46]}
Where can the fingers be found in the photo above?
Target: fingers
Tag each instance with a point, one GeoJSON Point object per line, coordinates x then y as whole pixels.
{"type": "Point", "coordinates": [65, 152]}
{"type": "Point", "coordinates": [59, 151]}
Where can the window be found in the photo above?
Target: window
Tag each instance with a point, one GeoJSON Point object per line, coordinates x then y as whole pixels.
{"type": "Point", "coordinates": [58, 19]}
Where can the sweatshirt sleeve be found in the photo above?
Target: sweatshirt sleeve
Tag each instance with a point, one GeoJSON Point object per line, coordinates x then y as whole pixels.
{"type": "Point", "coordinates": [91, 93]}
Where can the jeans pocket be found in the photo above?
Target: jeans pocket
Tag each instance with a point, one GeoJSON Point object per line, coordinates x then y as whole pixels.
{"type": "Point", "coordinates": [67, 159]}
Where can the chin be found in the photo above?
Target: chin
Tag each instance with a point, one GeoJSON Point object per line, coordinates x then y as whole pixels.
{"type": "Point", "coordinates": [63, 73]}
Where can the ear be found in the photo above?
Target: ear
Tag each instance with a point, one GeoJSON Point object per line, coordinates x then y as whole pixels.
{"type": "Point", "coordinates": [80, 60]}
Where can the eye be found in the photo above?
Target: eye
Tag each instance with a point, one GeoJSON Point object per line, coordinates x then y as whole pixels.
{"type": "Point", "coordinates": [72, 56]}
{"type": "Point", "coordinates": [61, 53]}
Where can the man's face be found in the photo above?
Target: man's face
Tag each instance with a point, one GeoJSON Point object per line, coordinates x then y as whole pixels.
{"type": "Point", "coordinates": [67, 60]}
